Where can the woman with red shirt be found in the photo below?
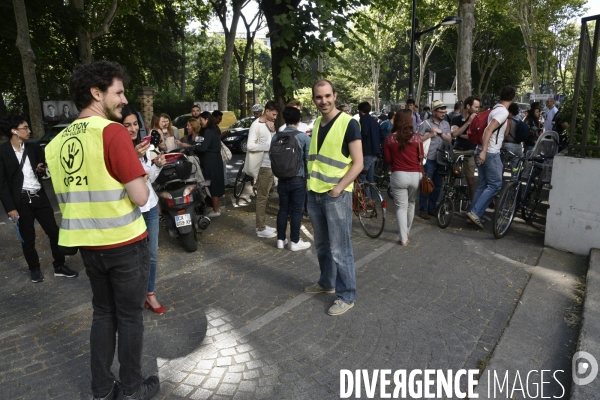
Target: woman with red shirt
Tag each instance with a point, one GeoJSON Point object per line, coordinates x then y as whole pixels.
{"type": "Point", "coordinates": [401, 151]}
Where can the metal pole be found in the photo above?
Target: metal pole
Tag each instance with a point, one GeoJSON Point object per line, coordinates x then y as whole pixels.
{"type": "Point", "coordinates": [411, 74]}
{"type": "Point", "coordinates": [253, 77]}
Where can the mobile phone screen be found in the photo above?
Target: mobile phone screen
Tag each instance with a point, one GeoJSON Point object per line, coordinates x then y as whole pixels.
{"type": "Point", "coordinates": [146, 139]}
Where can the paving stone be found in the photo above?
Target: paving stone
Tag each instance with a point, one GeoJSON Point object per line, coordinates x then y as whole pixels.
{"type": "Point", "coordinates": [211, 383]}
{"type": "Point", "coordinates": [236, 368]}
{"type": "Point", "coordinates": [201, 394]}
{"type": "Point", "coordinates": [247, 386]}
{"type": "Point", "coordinates": [183, 390]}
{"type": "Point", "coordinates": [217, 372]}
{"type": "Point", "coordinates": [228, 352]}
{"type": "Point", "coordinates": [251, 374]}
{"type": "Point", "coordinates": [227, 389]}
{"type": "Point", "coordinates": [231, 377]}
{"type": "Point", "coordinates": [254, 364]}
{"type": "Point", "coordinates": [223, 361]}
{"type": "Point", "coordinates": [194, 380]}
{"type": "Point", "coordinates": [242, 358]}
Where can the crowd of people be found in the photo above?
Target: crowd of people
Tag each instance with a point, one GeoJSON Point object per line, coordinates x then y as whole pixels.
{"type": "Point", "coordinates": [111, 215]}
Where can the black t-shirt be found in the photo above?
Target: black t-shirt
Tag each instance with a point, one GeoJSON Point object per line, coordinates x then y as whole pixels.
{"type": "Point", "coordinates": [462, 143]}
{"type": "Point", "coordinates": [352, 134]}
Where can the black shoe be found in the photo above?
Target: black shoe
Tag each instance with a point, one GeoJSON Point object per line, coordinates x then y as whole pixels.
{"type": "Point", "coordinates": [148, 390]}
{"type": "Point", "coordinates": [37, 276]}
{"type": "Point", "coordinates": [65, 271]}
{"type": "Point", "coordinates": [114, 393]}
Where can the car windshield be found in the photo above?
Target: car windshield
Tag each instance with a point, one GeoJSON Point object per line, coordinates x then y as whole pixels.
{"type": "Point", "coordinates": [243, 123]}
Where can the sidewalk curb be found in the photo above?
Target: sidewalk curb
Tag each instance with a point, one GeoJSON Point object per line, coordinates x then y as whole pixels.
{"type": "Point", "coordinates": [589, 333]}
{"type": "Point", "coordinates": [537, 337]}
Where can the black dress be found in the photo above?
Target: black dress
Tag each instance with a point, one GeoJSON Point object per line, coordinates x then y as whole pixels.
{"type": "Point", "coordinates": [211, 162]}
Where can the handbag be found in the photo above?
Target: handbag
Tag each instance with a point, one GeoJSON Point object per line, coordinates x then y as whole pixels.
{"type": "Point", "coordinates": [426, 144]}
{"type": "Point", "coordinates": [426, 182]}
{"type": "Point", "coordinates": [225, 153]}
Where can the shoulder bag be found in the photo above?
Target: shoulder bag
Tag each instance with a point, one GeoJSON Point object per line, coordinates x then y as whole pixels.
{"type": "Point", "coordinates": [426, 182]}
{"type": "Point", "coordinates": [225, 153]}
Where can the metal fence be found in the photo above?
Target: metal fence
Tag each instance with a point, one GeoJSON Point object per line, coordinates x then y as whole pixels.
{"type": "Point", "coordinates": [583, 138]}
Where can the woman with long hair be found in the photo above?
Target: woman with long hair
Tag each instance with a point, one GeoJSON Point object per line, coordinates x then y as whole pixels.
{"type": "Point", "coordinates": [132, 123]}
{"type": "Point", "coordinates": [532, 118]}
{"type": "Point", "coordinates": [193, 128]}
{"type": "Point", "coordinates": [401, 150]}
{"type": "Point", "coordinates": [209, 153]}
{"type": "Point", "coordinates": [169, 133]}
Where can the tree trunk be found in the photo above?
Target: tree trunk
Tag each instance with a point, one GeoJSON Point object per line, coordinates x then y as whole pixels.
{"type": "Point", "coordinates": [271, 9]}
{"type": "Point", "coordinates": [85, 37]}
{"type": "Point", "coordinates": [230, 33]}
{"type": "Point", "coordinates": [465, 48]}
{"type": "Point", "coordinates": [28, 59]}
{"type": "Point", "coordinates": [375, 69]}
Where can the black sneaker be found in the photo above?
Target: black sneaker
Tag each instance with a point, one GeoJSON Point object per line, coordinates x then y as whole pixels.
{"type": "Point", "coordinates": [37, 276]}
{"type": "Point", "coordinates": [114, 393]}
{"type": "Point", "coordinates": [148, 390]}
{"type": "Point", "coordinates": [65, 271]}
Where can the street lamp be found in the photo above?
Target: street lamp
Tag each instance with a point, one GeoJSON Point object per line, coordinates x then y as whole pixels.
{"type": "Point", "coordinates": [414, 36]}
{"type": "Point", "coordinates": [432, 75]}
{"type": "Point", "coordinates": [543, 63]}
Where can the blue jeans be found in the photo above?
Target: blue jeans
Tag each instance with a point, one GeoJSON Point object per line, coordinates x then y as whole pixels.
{"type": "Point", "coordinates": [118, 278]}
{"type": "Point", "coordinates": [490, 182]}
{"type": "Point", "coordinates": [427, 202]}
{"type": "Point", "coordinates": [369, 166]}
{"type": "Point", "coordinates": [151, 218]}
{"type": "Point", "coordinates": [331, 218]}
{"type": "Point", "coordinates": [292, 193]}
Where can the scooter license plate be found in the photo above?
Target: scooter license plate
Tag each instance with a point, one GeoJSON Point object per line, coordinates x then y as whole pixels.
{"type": "Point", "coordinates": [182, 220]}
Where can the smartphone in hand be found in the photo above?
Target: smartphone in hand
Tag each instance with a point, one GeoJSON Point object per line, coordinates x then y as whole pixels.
{"type": "Point", "coordinates": [146, 140]}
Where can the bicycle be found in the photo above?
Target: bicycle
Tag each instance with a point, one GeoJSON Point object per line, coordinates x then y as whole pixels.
{"type": "Point", "coordinates": [382, 175]}
{"type": "Point", "coordinates": [369, 206]}
{"type": "Point", "coordinates": [515, 195]}
{"type": "Point", "coordinates": [455, 190]}
{"type": "Point", "coordinates": [241, 179]}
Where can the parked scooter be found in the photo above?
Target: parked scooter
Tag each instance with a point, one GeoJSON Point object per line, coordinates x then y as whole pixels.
{"type": "Point", "coordinates": [181, 199]}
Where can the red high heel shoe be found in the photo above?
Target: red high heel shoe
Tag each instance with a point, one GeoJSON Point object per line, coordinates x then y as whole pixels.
{"type": "Point", "coordinates": [157, 310]}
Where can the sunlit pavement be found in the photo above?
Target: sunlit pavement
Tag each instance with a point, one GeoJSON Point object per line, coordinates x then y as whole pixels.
{"type": "Point", "coordinates": [238, 325]}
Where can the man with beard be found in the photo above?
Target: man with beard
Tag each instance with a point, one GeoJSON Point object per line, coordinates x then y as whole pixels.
{"type": "Point", "coordinates": [334, 160]}
{"type": "Point", "coordinates": [100, 184]}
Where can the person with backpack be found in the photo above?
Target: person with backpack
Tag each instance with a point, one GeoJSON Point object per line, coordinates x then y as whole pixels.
{"type": "Point", "coordinates": [511, 139]}
{"type": "Point", "coordinates": [487, 154]}
{"type": "Point", "coordinates": [289, 158]}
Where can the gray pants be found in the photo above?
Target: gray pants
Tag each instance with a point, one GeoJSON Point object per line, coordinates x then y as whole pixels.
{"type": "Point", "coordinates": [405, 186]}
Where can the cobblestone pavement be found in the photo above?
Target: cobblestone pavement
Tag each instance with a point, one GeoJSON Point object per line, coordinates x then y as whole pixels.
{"type": "Point", "coordinates": [239, 327]}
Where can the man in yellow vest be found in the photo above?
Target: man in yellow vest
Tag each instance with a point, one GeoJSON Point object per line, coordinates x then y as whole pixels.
{"type": "Point", "coordinates": [99, 183]}
{"type": "Point", "coordinates": [334, 160]}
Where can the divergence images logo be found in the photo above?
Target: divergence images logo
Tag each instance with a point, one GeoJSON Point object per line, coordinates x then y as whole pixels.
{"type": "Point", "coordinates": [584, 363]}
{"type": "Point", "coordinates": [71, 155]}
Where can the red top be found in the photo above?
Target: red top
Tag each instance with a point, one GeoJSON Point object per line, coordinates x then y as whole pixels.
{"type": "Point", "coordinates": [406, 160]}
{"type": "Point", "coordinates": [122, 164]}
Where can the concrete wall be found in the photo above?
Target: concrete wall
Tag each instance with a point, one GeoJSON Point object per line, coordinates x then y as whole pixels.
{"type": "Point", "coordinates": [573, 220]}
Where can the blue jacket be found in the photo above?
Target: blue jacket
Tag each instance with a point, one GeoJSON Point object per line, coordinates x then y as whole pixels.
{"type": "Point", "coordinates": [303, 142]}
{"type": "Point", "coordinates": [372, 136]}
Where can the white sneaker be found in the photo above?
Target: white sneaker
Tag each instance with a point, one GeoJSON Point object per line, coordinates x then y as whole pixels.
{"type": "Point", "coordinates": [266, 234]}
{"type": "Point", "coordinates": [300, 245]}
{"type": "Point", "coordinates": [282, 243]}
{"type": "Point", "coordinates": [269, 228]}
{"type": "Point", "coordinates": [213, 214]}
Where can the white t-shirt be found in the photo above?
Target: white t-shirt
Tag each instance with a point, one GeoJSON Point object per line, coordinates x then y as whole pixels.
{"type": "Point", "coordinates": [500, 114]}
{"type": "Point", "coordinates": [302, 127]}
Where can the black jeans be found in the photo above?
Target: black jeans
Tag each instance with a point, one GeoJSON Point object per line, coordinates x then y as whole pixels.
{"type": "Point", "coordinates": [292, 194]}
{"type": "Point", "coordinates": [119, 279]}
{"type": "Point", "coordinates": [30, 208]}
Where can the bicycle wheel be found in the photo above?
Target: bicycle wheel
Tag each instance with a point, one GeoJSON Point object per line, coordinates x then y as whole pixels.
{"type": "Point", "coordinates": [505, 209]}
{"type": "Point", "coordinates": [372, 209]}
{"type": "Point", "coordinates": [531, 196]}
{"type": "Point", "coordinates": [240, 182]}
{"type": "Point", "coordinates": [444, 212]}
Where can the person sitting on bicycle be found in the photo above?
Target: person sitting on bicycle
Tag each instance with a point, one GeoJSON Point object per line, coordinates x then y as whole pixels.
{"type": "Point", "coordinates": [463, 145]}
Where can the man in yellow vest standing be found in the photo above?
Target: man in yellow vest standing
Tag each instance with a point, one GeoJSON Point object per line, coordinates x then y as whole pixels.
{"type": "Point", "coordinates": [100, 184]}
{"type": "Point", "coordinates": [334, 160]}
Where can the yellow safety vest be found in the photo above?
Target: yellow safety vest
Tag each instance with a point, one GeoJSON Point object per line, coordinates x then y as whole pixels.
{"type": "Point", "coordinates": [96, 210]}
{"type": "Point", "coordinates": [328, 166]}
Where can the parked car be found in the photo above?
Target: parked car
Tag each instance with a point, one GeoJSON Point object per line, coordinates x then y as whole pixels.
{"type": "Point", "coordinates": [237, 135]}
